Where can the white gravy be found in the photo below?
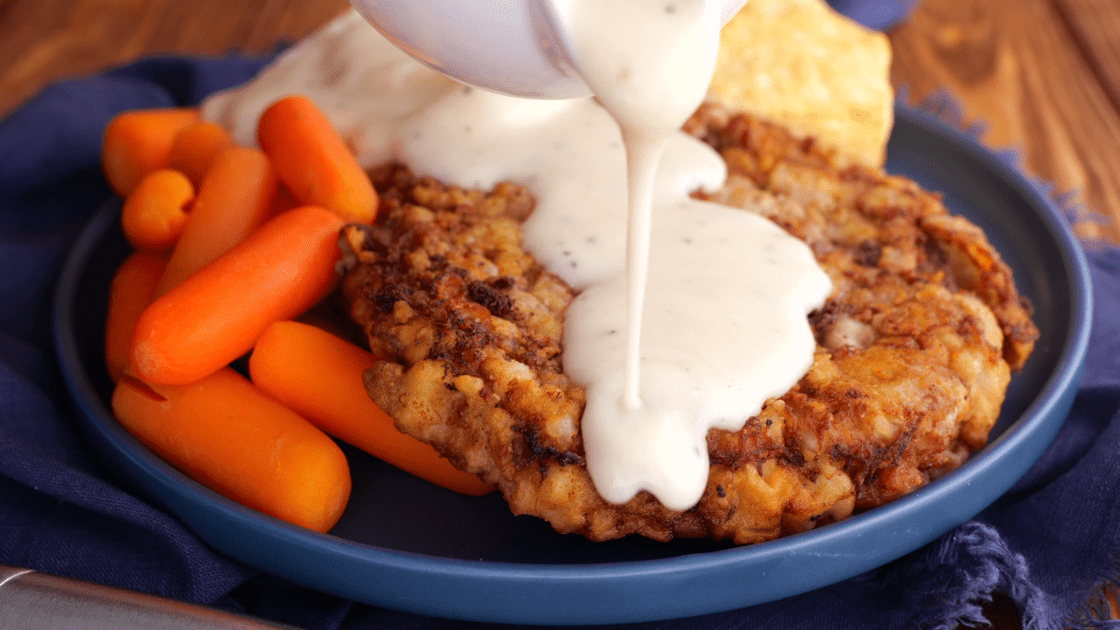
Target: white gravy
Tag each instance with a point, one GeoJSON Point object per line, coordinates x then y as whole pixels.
{"type": "Point", "coordinates": [650, 91]}
{"type": "Point", "coordinates": [727, 292]}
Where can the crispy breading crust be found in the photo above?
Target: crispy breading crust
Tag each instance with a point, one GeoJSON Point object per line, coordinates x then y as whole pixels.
{"type": "Point", "coordinates": [915, 346]}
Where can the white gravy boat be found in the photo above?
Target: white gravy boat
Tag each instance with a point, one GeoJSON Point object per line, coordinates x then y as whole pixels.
{"type": "Point", "coordinates": [516, 47]}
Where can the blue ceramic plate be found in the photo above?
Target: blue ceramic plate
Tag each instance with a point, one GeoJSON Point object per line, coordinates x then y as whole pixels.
{"type": "Point", "coordinates": [409, 545]}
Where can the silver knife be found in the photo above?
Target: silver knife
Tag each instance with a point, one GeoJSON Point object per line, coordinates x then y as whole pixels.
{"type": "Point", "coordinates": [30, 600]}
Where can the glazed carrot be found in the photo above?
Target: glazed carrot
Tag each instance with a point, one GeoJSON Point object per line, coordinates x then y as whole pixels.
{"type": "Point", "coordinates": [132, 290]}
{"type": "Point", "coordinates": [235, 440]}
{"type": "Point", "coordinates": [138, 142]}
{"type": "Point", "coordinates": [216, 315]}
{"type": "Point", "coordinates": [319, 376]}
{"type": "Point", "coordinates": [235, 198]}
{"type": "Point", "coordinates": [313, 160]}
{"type": "Point", "coordinates": [195, 148]}
{"type": "Point", "coordinates": [155, 212]}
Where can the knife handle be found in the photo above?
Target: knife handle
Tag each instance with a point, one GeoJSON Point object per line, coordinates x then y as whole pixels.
{"type": "Point", "coordinates": [30, 600]}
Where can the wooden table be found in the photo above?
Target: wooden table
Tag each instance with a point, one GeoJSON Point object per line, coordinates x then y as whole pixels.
{"type": "Point", "coordinates": [1044, 75]}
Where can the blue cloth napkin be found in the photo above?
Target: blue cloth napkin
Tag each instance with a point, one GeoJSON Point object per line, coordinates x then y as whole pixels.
{"type": "Point", "coordinates": [1051, 544]}
{"type": "Point", "coordinates": [877, 14]}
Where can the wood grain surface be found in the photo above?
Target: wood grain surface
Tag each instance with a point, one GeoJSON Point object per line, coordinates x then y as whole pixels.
{"type": "Point", "coordinates": [1043, 75]}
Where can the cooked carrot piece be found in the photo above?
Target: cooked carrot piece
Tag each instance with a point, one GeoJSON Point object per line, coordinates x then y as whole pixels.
{"type": "Point", "coordinates": [313, 160]}
{"type": "Point", "coordinates": [235, 440]}
{"type": "Point", "coordinates": [216, 315]}
{"type": "Point", "coordinates": [235, 198]}
{"type": "Point", "coordinates": [319, 376]}
{"type": "Point", "coordinates": [195, 148]}
{"type": "Point", "coordinates": [155, 212]}
{"type": "Point", "coordinates": [138, 142]}
{"type": "Point", "coordinates": [132, 290]}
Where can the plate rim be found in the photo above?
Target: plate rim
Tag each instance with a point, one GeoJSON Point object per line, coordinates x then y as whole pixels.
{"type": "Point", "coordinates": [529, 580]}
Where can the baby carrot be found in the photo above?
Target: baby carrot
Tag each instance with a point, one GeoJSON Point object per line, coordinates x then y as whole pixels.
{"type": "Point", "coordinates": [235, 198]}
{"type": "Point", "coordinates": [319, 376]}
{"type": "Point", "coordinates": [216, 315]}
{"type": "Point", "coordinates": [132, 290]}
{"type": "Point", "coordinates": [235, 440]}
{"type": "Point", "coordinates": [195, 148]}
{"type": "Point", "coordinates": [137, 142]}
{"type": "Point", "coordinates": [313, 160]}
{"type": "Point", "coordinates": [155, 212]}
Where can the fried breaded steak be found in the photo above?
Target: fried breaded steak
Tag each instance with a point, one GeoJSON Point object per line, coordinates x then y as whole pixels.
{"type": "Point", "coordinates": [915, 346]}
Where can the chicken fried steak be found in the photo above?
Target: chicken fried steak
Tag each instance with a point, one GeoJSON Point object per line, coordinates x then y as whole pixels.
{"type": "Point", "coordinates": [915, 346]}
